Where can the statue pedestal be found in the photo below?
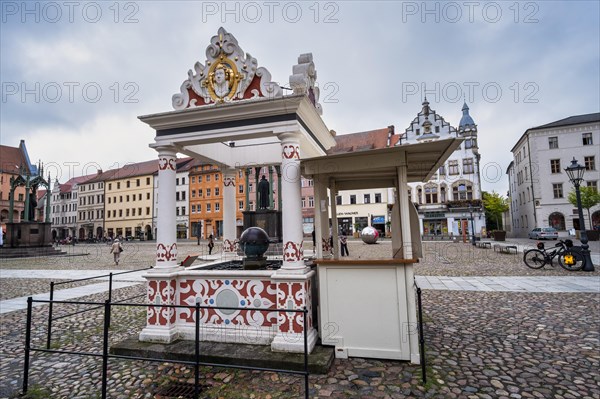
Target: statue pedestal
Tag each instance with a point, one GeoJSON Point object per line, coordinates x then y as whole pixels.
{"type": "Point", "coordinates": [28, 234]}
{"type": "Point", "coordinates": [267, 219]}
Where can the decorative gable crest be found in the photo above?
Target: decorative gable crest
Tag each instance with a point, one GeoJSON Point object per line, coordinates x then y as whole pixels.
{"type": "Point", "coordinates": [228, 75]}
{"type": "Point", "coordinates": [304, 78]}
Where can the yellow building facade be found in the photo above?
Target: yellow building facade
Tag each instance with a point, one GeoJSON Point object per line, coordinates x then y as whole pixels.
{"type": "Point", "coordinates": [128, 201]}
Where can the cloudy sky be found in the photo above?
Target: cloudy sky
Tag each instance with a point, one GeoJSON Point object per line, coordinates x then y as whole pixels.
{"type": "Point", "coordinates": [75, 75]}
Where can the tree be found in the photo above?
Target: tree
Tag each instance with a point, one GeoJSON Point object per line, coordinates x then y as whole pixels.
{"type": "Point", "coordinates": [494, 205]}
{"type": "Point", "coordinates": [589, 198]}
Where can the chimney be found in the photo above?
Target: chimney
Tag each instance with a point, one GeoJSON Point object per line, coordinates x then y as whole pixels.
{"type": "Point", "coordinates": [99, 172]}
{"type": "Point", "coordinates": [332, 132]}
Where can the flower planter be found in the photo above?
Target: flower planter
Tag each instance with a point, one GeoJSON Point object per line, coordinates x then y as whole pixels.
{"type": "Point", "coordinates": [499, 235]}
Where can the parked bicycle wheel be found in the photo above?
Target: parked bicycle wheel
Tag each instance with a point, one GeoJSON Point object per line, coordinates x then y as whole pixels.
{"type": "Point", "coordinates": [571, 260]}
{"type": "Point", "coordinates": [534, 258]}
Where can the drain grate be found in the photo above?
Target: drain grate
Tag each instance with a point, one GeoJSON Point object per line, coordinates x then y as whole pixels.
{"type": "Point", "coordinates": [179, 390]}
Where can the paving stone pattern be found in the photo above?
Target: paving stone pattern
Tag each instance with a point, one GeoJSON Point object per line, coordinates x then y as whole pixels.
{"type": "Point", "coordinates": [479, 344]}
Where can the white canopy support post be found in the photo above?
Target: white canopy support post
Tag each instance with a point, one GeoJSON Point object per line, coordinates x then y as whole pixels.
{"type": "Point", "coordinates": [334, 222]}
{"type": "Point", "coordinates": [404, 211]}
{"type": "Point", "coordinates": [321, 219]}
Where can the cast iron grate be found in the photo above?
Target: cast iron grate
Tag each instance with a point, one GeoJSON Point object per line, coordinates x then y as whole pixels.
{"type": "Point", "coordinates": [178, 390]}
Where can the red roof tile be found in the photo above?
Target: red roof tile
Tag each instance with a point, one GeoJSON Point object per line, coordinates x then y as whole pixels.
{"type": "Point", "coordinates": [361, 141]}
{"type": "Point", "coordinates": [11, 158]}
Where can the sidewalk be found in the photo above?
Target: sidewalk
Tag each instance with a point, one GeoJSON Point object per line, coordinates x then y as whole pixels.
{"type": "Point", "coordinates": [119, 281]}
{"type": "Point", "coordinates": [511, 284]}
{"type": "Point", "coordinates": [507, 284]}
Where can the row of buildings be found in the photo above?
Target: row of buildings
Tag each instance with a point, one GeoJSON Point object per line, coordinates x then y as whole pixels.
{"type": "Point", "coordinates": [124, 201]}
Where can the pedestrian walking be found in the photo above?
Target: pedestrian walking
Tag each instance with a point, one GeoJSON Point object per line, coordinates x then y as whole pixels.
{"type": "Point", "coordinates": [211, 244]}
{"type": "Point", "coordinates": [344, 243]}
{"type": "Point", "coordinates": [116, 250]}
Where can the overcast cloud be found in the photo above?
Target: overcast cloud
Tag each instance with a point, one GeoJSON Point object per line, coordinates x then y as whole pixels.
{"type": "Point", "coordinates": [75, 75]}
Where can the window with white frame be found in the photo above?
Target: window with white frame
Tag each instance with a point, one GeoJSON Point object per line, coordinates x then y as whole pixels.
{"type": "Point", "coordinates": [557, 190]}
{"type": "Point", "coordinates": [453, 167]}
{"type": "Point", "coordinates": [468, 166]}
{"type": "Point", "coordinates": [590, 163]}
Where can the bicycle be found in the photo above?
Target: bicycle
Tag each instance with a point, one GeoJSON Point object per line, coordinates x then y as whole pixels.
{"type": "Point", "coordinates": [569, 258]}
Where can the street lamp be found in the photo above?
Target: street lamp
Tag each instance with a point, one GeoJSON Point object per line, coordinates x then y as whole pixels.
{"type": "Point", "coordinates": [575, 172]}
{"type": "Point", "coordinates": [472, 228]}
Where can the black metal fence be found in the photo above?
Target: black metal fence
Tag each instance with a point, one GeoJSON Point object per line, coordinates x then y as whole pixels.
{"type": "Point", "coordinates": [51, 301]}
{"type": "Point", "coordinates": [108, 305]}
{"type": "Point", "coordinates": [421, 334]}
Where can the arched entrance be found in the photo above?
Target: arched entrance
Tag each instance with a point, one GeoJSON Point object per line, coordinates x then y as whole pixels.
{"type": "Point", "coordinates": [148, 232]}
{"type": "Point", "coordinates": [99, 233]}
{"type": "Point", "coordinates": [557, 220]}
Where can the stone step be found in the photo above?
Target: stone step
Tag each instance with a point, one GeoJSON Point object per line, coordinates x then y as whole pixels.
{"type": "Point", "coordinates": [319, 361]}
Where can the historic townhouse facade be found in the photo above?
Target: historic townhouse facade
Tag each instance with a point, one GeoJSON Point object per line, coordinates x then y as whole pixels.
{"type": "Point", "coordinates": [64, 205]}
{"type": "Point", "coordinates": [13, 161]}
{"type": "Point", "coordinates": [538, 184]}
{"type": "Point", "coordinates": [182, 198]}
{"type": "Point", "coordinates": [206, 199]}
{"type": "Point", "coordinates": [357, 209]}
{"type": "Point", "coordinates": [128, 196]}
{"type": "Point", "coordinates": [450, 203]}
{"type": "Point", "coordinates": [90, 212]}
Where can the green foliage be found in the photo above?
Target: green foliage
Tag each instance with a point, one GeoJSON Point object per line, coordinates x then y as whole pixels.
{"type": "Point", "coordinates": [35, 392]}
{"type": "Point", "coordinates": [494, 205]}
{"type": "Point", "coordinates": [589, 198]}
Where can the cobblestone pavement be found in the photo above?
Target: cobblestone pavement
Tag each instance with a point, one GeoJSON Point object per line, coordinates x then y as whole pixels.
{"type": "Point", "coordinates": [478, 344]}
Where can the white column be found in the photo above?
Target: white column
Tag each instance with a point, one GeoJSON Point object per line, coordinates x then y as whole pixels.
{"type": "Point", "coordinates": [161, 322]}
{"type": "Point", "coordinates": [229, 210]}
{"type": "Point", "coordinates": [292, 203]}
{"type": "Point", "coordinates": [166, 235]}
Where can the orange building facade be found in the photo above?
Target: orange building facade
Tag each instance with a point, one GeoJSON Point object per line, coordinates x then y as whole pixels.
{"type": "Point", "coordinates": [206, 200]}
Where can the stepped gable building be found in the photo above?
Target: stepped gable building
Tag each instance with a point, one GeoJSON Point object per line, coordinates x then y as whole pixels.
{"type": "Point", "coordinates": [450, 203]}
{"type": "Point", "coordinates": [538, 183]}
